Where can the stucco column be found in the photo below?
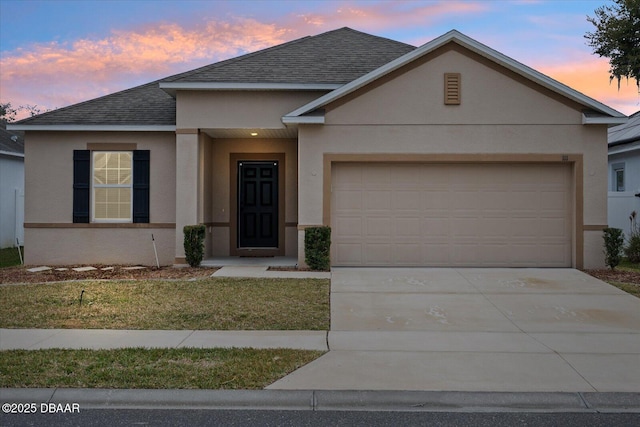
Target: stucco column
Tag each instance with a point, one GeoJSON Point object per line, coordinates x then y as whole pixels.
{"type": "Point", "coordinates": [187, 184]}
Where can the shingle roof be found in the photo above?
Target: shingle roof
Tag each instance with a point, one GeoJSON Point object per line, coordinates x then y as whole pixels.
{"type": "Point", "coordinates": [142, 105]}
{"type": "Point", "coordinates": [627, 132]}
{"type": "Point", "coordinates": [11, 141]}
{"type": "Point", "coordinates": [336, 57]}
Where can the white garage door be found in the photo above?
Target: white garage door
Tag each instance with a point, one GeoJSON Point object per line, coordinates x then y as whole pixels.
{"type": "Point", "coordinates": [489, 215]}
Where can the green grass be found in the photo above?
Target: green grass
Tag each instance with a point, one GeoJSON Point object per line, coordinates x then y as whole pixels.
{"type": "Point", "coordinates": [625, 265]}
{"type": "Point", "coordinates": [208, 304]}
{"type": "Point", "coordinates": [627, 287]}
{"type": "Point", "coordinates": [9, 257]}
{"type": "Point", "coordinates": [630, 288]}
{"type": "Point", "coordinates": [139, 368]}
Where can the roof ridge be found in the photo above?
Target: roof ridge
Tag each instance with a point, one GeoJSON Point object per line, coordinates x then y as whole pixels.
{"type": "Point", "coordinates": [234, 59]}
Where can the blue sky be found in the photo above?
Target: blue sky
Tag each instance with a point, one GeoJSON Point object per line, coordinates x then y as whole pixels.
{"type": "Point", "coordinates": [55, 53]}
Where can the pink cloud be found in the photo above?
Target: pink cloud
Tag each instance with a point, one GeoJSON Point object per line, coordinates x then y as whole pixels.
{"type": "Point", "coordinates": [387, 14]}
{"type": "Point", "coordinates": [56, 74]}
{"type": "Point", "coordinates": [590, 75]}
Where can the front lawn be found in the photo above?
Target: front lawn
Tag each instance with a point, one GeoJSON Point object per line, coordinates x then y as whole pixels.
{"type": "Point", "coordinates": [185, 368]}
{"type": "Point", "coordinates": [205, 304]}
{"type": "Point", "coordinates": [626, 276]}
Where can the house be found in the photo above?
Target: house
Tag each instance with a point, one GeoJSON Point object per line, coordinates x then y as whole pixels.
{"type": "Point", "coordinates": [450, 154]}
{"type": "Point", "coordinates": [624, 172]}
{"type": "Point", "coordinates": [11, 187]}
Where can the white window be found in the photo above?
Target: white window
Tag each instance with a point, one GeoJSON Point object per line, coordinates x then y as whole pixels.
{"type": "Point", "coordinates": [618, 176]}
{"type": "Point", "coordinates": [112, 178]}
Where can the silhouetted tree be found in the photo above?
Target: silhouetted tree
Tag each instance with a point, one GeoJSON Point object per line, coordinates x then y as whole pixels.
{"type": "Point", "coordinates": [617, 37]}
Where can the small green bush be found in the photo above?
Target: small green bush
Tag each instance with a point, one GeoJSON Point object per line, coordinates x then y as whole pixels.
{"type": "Point", "coordinates": [317, 244]}
{"type": "Point", "coordinates": [632, 251]}
{"type": "Point", "coordinates": [194, 244]}
{"type": "Point", "coordinates": [613, 244]}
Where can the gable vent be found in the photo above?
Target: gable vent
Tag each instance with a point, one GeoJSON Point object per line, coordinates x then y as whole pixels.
{"type": "Point", "coordinates": [452, 83]}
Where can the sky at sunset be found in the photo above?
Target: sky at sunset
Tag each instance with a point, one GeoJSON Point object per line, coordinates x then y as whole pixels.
{"type": "Point", "coordinates": [56, 53]}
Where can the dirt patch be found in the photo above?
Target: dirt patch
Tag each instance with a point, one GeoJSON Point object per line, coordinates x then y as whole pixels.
{"type": "Point", "coordinates": [102, 272]}
{"type": "Point", "coordinates": [616, 276]}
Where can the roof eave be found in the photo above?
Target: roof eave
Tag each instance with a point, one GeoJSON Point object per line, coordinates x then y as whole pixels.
{"type": "Point", "coordinates": [11, 154]}
{"type": "Point", "coordinates": [624, 148]}
{"type": "Point", "coordinates": [172, 87]}
{"type": "Point", "coordinates": [300, 120]}
{"type": "Point", "coordinates": [473, 45]}
{"type": "Point", "coordinates": [603, 120]}
{"type": "Point", "coordinates": [94, 128]}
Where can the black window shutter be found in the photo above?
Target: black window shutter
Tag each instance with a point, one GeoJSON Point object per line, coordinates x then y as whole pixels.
{"type": "Point", "coordinates": [81, 187]}
{"type": "Point", "coordinates": [141, 186]}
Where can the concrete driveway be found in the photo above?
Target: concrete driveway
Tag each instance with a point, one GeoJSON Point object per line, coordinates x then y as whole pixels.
{"type": "Point", "coordinates": [514, 330]}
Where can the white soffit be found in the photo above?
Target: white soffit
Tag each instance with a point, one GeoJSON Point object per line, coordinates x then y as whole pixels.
{"type": "Point", "coordinates": [472, 45]}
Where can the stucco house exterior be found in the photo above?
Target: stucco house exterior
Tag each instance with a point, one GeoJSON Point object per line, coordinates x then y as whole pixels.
{"type": "Point", "coordinates": [11, 187]}
{"type": "Point", "coordinates": [449, 154]}
{"type": "Point", "coordinates": [624, 172]}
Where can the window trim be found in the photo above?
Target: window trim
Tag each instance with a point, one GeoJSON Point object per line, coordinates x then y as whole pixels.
{"type": "Point", "coordinates": [81, 206]}
{"type": "Point", "coordinates": [615, 169]}
{"type": "Point", "coordinates": [92, 199]}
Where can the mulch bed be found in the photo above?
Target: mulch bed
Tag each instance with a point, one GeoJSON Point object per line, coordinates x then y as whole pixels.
{"type": "Point", "coordinates": [21, 275]}
{"type": "Point", "coordinates": [616, 276]}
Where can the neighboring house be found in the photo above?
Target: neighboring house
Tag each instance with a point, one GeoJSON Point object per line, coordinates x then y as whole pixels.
{"type": "Point", "coordinates": [450, 154]}
{"type": "Point", "coordinates": [624, 172]}
{"type": "Point", "coordinates": [11, 187]}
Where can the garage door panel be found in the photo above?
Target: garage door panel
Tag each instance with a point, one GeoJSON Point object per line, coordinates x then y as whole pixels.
{"type": "Point", "coordinates": [377, 227]}
{"type": "Point", "coordinates": [406, 227]}
{"type": "Point", "coordinates": [348, 227]}
{"type": "Point", "coordinates": [407, 254]}
{"type": "Point", "coordinates": [348, 253]}
{"type": "Point", "coordinates": [434, 227]}
{"type": "Point", "coordinates": [452, 214]}
{"type": "Point", "coordinates": [407, 200]}
{"type": "Point", "coordinates": [349, 200]}
{"type": "Point", "coordinates": [378, 253]}
{"type": "Point", "coordinates": [377, 199]}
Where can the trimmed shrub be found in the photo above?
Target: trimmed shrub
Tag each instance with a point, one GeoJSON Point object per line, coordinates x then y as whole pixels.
{"type": "Point", "coordinates": [317, 244]}
{"type": "Point", "coordinates": [632, 251]}
{"type": "Point", "coordinates": [194, 244]}
{"type": "Point", "coordinates": [613, 244]}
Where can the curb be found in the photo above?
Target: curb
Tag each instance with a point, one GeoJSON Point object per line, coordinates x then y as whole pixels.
{"type": "Point", "coordinates": [329, 400]}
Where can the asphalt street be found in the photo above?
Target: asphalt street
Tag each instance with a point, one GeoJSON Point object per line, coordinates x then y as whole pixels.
{"type": "Point", "coordinates": [231, 418]}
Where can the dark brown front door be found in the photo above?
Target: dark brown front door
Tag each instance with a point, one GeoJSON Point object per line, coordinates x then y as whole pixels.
{"type": "Point", "coordinates": [257, 204]}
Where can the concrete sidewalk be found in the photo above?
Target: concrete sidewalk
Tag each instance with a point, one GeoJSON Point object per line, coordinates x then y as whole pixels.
{"type": "Point", "coordinates": [252, 271]}
{"type": "Point", "coordinates": [36, 339]}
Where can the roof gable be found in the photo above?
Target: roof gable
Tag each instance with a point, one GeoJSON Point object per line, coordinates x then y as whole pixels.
{"type": "Point", "coordinates": [604, 114]}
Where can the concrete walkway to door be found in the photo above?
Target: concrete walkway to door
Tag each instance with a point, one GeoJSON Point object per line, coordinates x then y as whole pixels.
{"type": "Point", "coordinates": [504, 330]}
